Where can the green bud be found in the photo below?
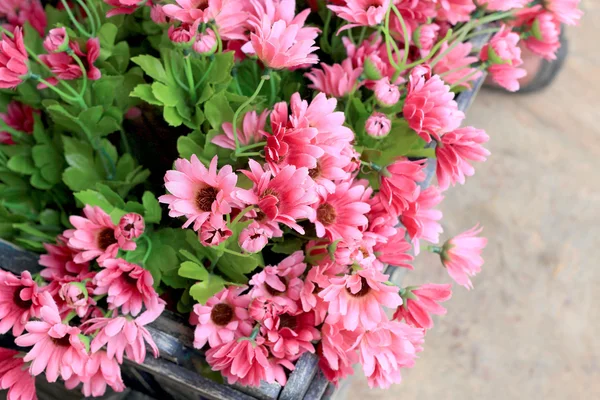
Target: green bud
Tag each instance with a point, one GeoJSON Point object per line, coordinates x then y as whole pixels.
{"type": "Point", "coordinates": [371, 71]}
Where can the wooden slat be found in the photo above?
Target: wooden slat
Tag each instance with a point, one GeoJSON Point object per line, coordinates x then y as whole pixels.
{"type": "Point", "coordinates": [301, 378]}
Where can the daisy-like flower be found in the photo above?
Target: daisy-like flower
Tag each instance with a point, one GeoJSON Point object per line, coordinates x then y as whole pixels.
{"type": "Point", "coordinates": [123, 7]}
{"type": "Point", "coordinates": [421, 219]}
{"type": "Point", "coordinates": [60, 260]}
{"type": "Point", "coordinates": [399, 184]}
{"type": "Point", "coordinates": [254, 237]}
{"type": "Point", "coordinates": [337, 80]}
{"type": "Point", "coordinates": [280, 284]}
{"type": "Point", "coordinates": [425, 37]}
{"type": "Point", "coordinates": [197, 192]}
{"type": "Point", "coordinates": [64, 66]}
{"type": "Point", "coordinates": [100, 371]}
{"type": "Point", "coordinates": [567, 11]}
{"type": "Point", "coordinates": [455, 151]}
{"type": "Point", "coordinates": [386, 94]}
{"type": "Point", "coordinates": [18, 116]}
{"type": "Point", "coordinates": [378, 125]}
{"type": "Point", "coordinates": [504, 55]}
{"type": "Point", "coordinates": [223, 318]}
{"type": "Point", "coordinates": [57, 40]}
{"type": "Point", "coordinates": [131, 226]}
{"type": "Point", "coordinates": [395, 250]}
{"type": "Point", "coordinates": [429, 107]}
{"type": "Point", "coordinates": [15, 377]}
{"type": "Point", "coordinates": [214, 231]}
{"type": "Point", "coordinates": [330, 169]}
{"type": "Point", "coordinates": [502, 5]}
{"type": "Point", "coordinates": [545, 39]}
{"type": "Point", "coordinates": [13, 60]}
{"type": "Point", "coordinates": [284, 197]}
{"type": "Point", "coordinates": [250, 133]}
{"type": "Point", "coordinates": [94, 236]}
{"type": "Point", "coordinates": [361, 12]}
{"type": "Point", "coordinates": [19, 301]}
{"type": "Point", "coordinates": [456, 64]}
{"type": "Point", "coordinates": [461, 256]}
{"type": "Point", "coordinates": [292, 335]}
{"type": "Point", "coordinates": [77, 296]}
{"type": "Point", "coordinates": [336, 356]}
{"type": "Point", "coordinates": [422, 301]}
{"type": "Point", "coordinates": [128, 286]}
{"type": "Point", "coordinates": [57, 348]}
{"type": "Point", "coordinates": [357, 299]}
{"type": "Point", "coordinates": [455, 11]}
{"type": "Point", "coordinates": [341, 214]}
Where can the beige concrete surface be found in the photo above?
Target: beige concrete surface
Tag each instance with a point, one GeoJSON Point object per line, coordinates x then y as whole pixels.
{"type": "Point", "coordinates": [530, 329]}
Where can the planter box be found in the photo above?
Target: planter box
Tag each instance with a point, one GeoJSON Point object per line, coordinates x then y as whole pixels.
{"type": "Point", "coordinates": [175, 374]}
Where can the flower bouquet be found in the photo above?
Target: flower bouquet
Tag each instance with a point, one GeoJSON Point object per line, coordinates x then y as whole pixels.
{"type": "Point", "coordinates": [256, 165]}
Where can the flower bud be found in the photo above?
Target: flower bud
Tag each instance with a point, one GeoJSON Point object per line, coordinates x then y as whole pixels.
{"type": "Point", "coordinates": [183, 36]}
{"type": "Point", "coordinates": [371, 71]}
{"type": "Point", "coordinates": [386, 94]}
{"type": "Point", "coordinates": [130, 226]}
{"type": "Point", "coordinates": [57, 40]}
{"type": "Point", "coordinates": [206, 44]}
{"type": "Point", "coordinates": [378, 125]}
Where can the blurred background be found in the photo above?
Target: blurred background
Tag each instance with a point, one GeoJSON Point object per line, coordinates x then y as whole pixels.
{"type": "Point", "coordinates": [530, 327]}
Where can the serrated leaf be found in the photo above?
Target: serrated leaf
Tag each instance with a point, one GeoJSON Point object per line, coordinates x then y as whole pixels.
{"type": "Point", "coordinates": [152, 67]}
{"type": "Point", "coordinates": [93, 198]}
{"type": "Point", "coordinates": [202, 291]}
{"type": "Point", "coordinates": [167, 95]}
{"type": "Point", "coordinates": [22, 164]}
{"type": "Point", "coordinates": [191, 270]}
{"type": "Point", "coordinates": [152, 210]}
{"type": "Point", "coordinates": [110, 195]}
{"type": "Point", "coordinates": [186, 147]}
{"type": "Point", "coordinates": [288, 246]}
{"type": "Point", "coordinates": [217, 110]}
{"type": "Point", "coordinates": [172, 117]}
{"type": "Point", "coordinates": [145, 93]}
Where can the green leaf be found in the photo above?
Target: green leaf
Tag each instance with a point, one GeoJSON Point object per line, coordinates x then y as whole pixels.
{"type": "Point", "coordinates": [152, 210]}
{"type": "Point", "coordinates": [49, 162]}
{"type": "Point", "coordinates": [107, 35]}
{"type": "Point", "coordinates": [288, 246]}
{"type": "Point", "coordinates": [172, 117]}
{"type": "Point", "coordinates": [399, 142]}
{"type": "Point", "coordinates": [93, 198]}
{"type": "Point", "coordinates": [168, 95]}
{"type": "Point", "coordinates": [152, 67]}
{"type": "Point", "coordinates": [217, 111]}
{"type": "Point", "coordinates": [192, 270]}
{"type": "Point", "coordinates": [145, 93]}
{"type": "Point", "coordinates": [189, 256]}
{"type": "Point", "coordinates": [202, 291]}
{"type": "Point", "coordinates": [221, 68]}
{"type": "Point", "coordinates": [50, 218]}
{"type": "Point", "coordinates": [82, 172]}
{"type": "Point", "coordinates": [420, 153]}
{"type": "Point", "coordinates": [22, 164]}
{"type": "Point", "coordinates": [186, 146]}
{"type": "Point", "coordinates": [111, 196]}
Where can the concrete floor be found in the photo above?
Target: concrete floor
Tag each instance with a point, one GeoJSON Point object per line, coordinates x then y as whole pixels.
{"type": "Point", "coordinates": [530, 327]}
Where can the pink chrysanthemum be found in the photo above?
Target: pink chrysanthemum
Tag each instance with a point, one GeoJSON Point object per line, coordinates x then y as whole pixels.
{"type": "Point", "coordinates": [361, 12]}
{"type": "Point", "coordinates": [461, 256]}
{"type": "Point", "coordinates": [13, 60]}
{"type": "Point", "coordinates": [386, 93]}
{"type": "Point", "coordinates": [337, 80]}
{"type": "Point", "coordinates": [131, 226]}
{"type": "Point", "coordinates": [94, 236]}
{"type": "Point", "coordinates": [378, 125]}
{"type": "Point", "coordinates": [123, 7]}
{"type": "Point", "coordinates": [77, 296]}
{"type": "Point", "coordinates": [214, 231]}
{"type": "Point", "coordinates": [399, 184]}
{"type": "Point", "coordinates": [357, 299]}
{"type": "Point", "coordinates": [15, 377]}
{"type": "Point", "coordinates": [314, 282]}
{"type": "Point", "coordinates": [100, 371]}
{"type": "Point", "coordinates": [422, 301]}
{"type": "Point", "coordinates": [18, 12]}
{"type": "Point", "coordinates": [336, 356]}
{"type": "Point", "coordinates": [250, 133]}
{"type": "Point", "coordinates": [425, 37]}
{"type": "Point", "coordinates": [504, 54]}
{"type": "Point", "coordinates": [502, 5]}
{"type": "Point", "coordinates": [60, 260]}
{"type": "Point", "coordinates": [545, 39]}
{"type": "Point", "coordinates": [284, 197]}
{"type": "Point", "coordinates": [292, 335]}
{"type": "Point", "coordinates": [455, 66]}
{"type": "Point", "coordinates": [254, 237]}
{"type": "Point", "coordinates": [429, 107]}
{"type": "Point", "coordinates": [421, 220]}
{"type": "Point", "coordinates": [18, 116]}
{"type": "Point", "coordinates": [341, 214]}
{"type": "Point", "coordinates": [567, 11]}
{"type": "Point", "coordinates": [19, 301]}
{"type": "Point", "coordinates": [223, 318]}
{"type": "Point", "coordinates": [395, 250]}
{"type": "Point", "coordinates": [64, 66]}
{"type": "Point", "coordinates": [128, 286]}
{"type": "Point", "coordinates": [197, 192]}
{"type": "Point", "coordinates": [455, 11]}
{"type": "Point", "coordinates": [455, 151]}
{"type": "Point", "coordinates": [57, 348]}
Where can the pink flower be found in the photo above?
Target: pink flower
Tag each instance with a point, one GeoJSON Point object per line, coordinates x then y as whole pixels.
{"type": "Point", "coordinates": [18, 12]}
{"type": "Point", "coordinates": [341, 214]}
{"type": "Point", "coordinates": [330, 169]}
{"type": "Point", "coordinates": [455, 151]}
{"type": "Point", "coordinates": [504, 54]}
{"type": "Point", "coordinates": [244, 360]}
{"type": "Point", "coordinates": [95, 236]}
{"type": "Point", "coordinates": [309, 296]}
{"type": "Point", "coordinates": [197, 193]}
{"type": "Point", "coordinates": [284, 197]}
{"type": "Point", "coordinates": [206, 42]}
{"type": "Point", "coordinates": [425, 37]}
{"type": "Point", "coordinates": [399, 184]}
{"type": "Point", "coordinates": [214, 231]}
{"type": "Point", "coordinates": [57, 40]}
{"type": "Point", "coordinates": [566, 11]}
{"type": "Point", "coordinates": [545, 40]}
{"type": "Point", "coordinates": [128, 286]}
{"type": "Point", "coordinates": [18, 116]}
{"type": "Point", "coordinates": [254, 238]}
{"type": "Point", "coordinates": [357, 299]}
{"type": "Point", "coordinates": [66, 68]}
{"type": "Point", "coordinates": [15, 377]}
{"type": "Point", "coordinates": [378, 125]}
{"type": "Point", "coordinates": [455, 11]}
{"type": "Point", "coordinates": [279, 45]}
{"type": "Point", "coordinates": [337, 80]}
{"type": "Point", "coordinates": [19, 301]}
{"type": "Point", "coordinates": [190, 11]}
{"type": "Point", "coordinates": [386, 94]}
{"type": "Point", "coordinates": [422, 301]}
{"type": "Point", "coordinates": [250, 133]}
{"type": "Point", "coordinates": [395, 250]}
{"type": "Point", "coordinates": [223, 318]}
{"type": "Point", "coordinates": [429, 107]}
{"type": "Point", "coordinates": [100, 371]}
{"type": "Point", "coordinates": [122, 335]}
{"type": "Point", "coordinates": [361, 12]}
{"type": "Point", "coordinates": [461, 256]}
{"type": "Point", "coordinates": [421, 220]}
{"type": "Point", "coordinates": [385, 350]}
{"type": "Point", "coordinates": [292, 335]}
{"type": "Point", "coordinates": [503, 5]}
{"type": "Point", "coordinates": [131, 226]}
{"type": "Point", "coordinates": [77, 296]}
{"type": "Point", "coordinates": [157, 14]}
{"type": "Point", "coordinates": [122, 7]}
{"type": "Point", "coordinates": [60, 261]}
{"type": "Point", "coordinates": [14, 65]}
{"type": "Point", "coordinates": [57, 348]}
{"type": "Point", "coordinates": [184, 35]}
{"type": "Point", "coordinates": [455, 66]}
{"type": "Point", "coordinates": [280, 284]}
{"type": "Point", "coordinates": [336, 354]}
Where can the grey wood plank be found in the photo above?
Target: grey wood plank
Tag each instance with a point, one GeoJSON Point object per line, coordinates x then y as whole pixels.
{"type": "Point", "coordinates": [301, 378]}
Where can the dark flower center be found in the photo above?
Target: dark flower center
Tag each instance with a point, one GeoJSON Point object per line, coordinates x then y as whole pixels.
{"type": "Point", "coordinates": [326, 214]}
{"type": "Point", "coordinates": [130, 280]}
{"type": "Point", "coordinates": [315, 172]}
{"type": "Point", "coordinates": [260, 216]}
{"type": "Point", "coordinates": [364, 289]}
{"type": "Point", "coordinates": [202, 5]}
{"type": "Point", "coordinates": [106, 237]}
{"type": "Point", "coordinates": [275, 292]}
{"type": "Point", "coordinates": [288, 321]}
{"type": "Point", "coordinates": [62, 342]}
{"type": "Point", "coordinates": [19, 302]}
{"type": "Point", "coordinates": [270, 192]}
{"type": "Point", "coordinates": [221, 314]}
{"type": "Point", "coordinates": [128, 227]}
{"type": "Point", "coordinates": [205, 198]}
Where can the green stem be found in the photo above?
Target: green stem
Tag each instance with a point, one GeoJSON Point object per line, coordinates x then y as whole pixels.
{"type": "Point", "coordinates": [79, 27]}
{"type": "Point", "coordinates": [241, 214]}
{"type": "Point", "coordinates": [219, 40]}
{"type": "Point", "coordinates": [388, 39]}
{"type": "Point", "coordinates": [469, 76]}
{"type": "Point", "coordinates": [206, 76]}
{"type": "Point", "coordinates": [273, 88]}
{"type": "Point", "coordinates": [190, 78]}
{"type": "Point", "coordinates": [69, 317]}
{"type": "Point", "coordinates": [253, 146]}
{"type": "Point", "coordinates": [404, 32]}
{"type": "Point", "coordinates": [148, 250]}
{"type": "Point", "coordinates": [225, 250]}
{"type": "Point", "coordinates": [244, 105]}
{"type": "Point", "coordinates": [363, 32]}
{"type": "Point", "coordinates": [83, 71]}
{"type": "Point", "coordinates": [63, 95]}
{"type": "Point", "coordinates": [326, 32]}
{"type": "Point", "coordinates": [481, 32]}
{"type": "Point", "coordinates": [90, 16]}
{"type": "Point", "coordinates": [250, 154]}
{"type": "Point", "coordinates": [21, 136]}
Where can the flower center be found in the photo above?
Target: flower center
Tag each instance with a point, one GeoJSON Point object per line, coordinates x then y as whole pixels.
{"type": "Point", "coordinates": [62, 342]}
{"type": "Point", "coordinates": [221, 314]}
{"type": "Point", "coordinates": [106, 237]}
{"type": "Point", "coordinates": [128, 227]}
{"type": "Point", "coordinates": [288, 321]}
{"type": "Point", "coordinates": [202, 5]}
{"type": "Point", "coordinates": [326, 214]}
{"type": "Point", "coordinates": [205, 198]}
{"type": "Point", "coordinates": [19, 302]}
{"type": "Point", "coordinates": [275, 292]}
{"type": "Point", "coordinates": [364, 289]}
{"type": "Point", "coordinates": [315, 172]}
{"type": "Point", "coordinates": [130, 280]}
{"type": "Point", "coordinates": [270, 192]}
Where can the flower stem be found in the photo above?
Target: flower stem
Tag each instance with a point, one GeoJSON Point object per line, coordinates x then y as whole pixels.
{"type": "Point", "coordinates": [405, 33]}
{"type": "Point", "coordinates": [253, 146]}
{"type": "Point", "coordinates": [79, 27]}
{"type": "Point", "coordinates": [148, 250]}
{"type": "Point", "coordinates": [190, 78]}
{"type": "Point", "coordinates": [469, 76]}
{"type": "Point", "coordinates": [91, 17]}
{"type": "Point", "coordinates": [63, 95]}
{"type": "Point", "coordinates": [388, 40]}
{"type": "Point", "coordinates": [250, 154]}
{"type": "Point", "coordinates": [244, 105]}
{"type": "Point", "coordinates": [226, 250]}
{"type": "Point", "coordinates": [83, 71]}
{"type": "Point", "coordinates": [241, 214]}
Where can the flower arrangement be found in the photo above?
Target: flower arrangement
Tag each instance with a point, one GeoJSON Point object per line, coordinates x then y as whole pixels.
{"type": "Point", "coordinates": [293, 140]}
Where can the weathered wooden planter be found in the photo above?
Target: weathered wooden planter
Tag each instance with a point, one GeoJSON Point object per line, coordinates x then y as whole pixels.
{"type": "Point", "coordinates": [175, 374]}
